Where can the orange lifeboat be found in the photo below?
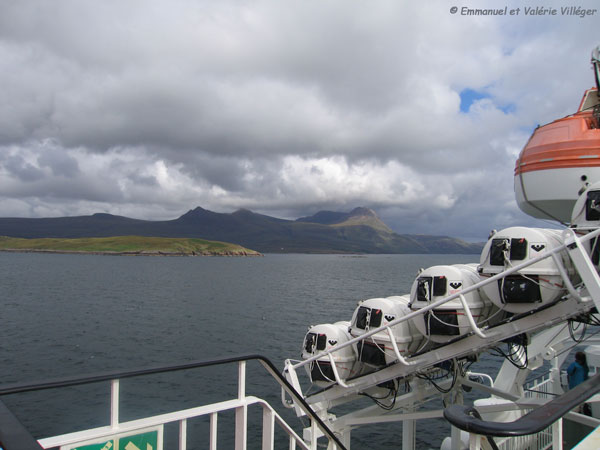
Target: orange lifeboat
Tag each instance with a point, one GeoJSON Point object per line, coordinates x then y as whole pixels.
{"type": "Point", "coordinates": [561, 159]}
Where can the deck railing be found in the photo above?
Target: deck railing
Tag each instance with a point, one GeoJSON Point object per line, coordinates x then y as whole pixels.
{"type": "Point", "coordinates": [22, 440]}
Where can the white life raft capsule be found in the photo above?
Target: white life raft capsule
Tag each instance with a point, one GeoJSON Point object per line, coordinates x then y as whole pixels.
{"type": "Point", "coordinates": [324, 337]}
{"type": "Point", "coordinates": [448, 320]}
{"type": "Point", "coordinates": [586, 218]}
{"type": "Point", "coordinates": [378, 350]}
{"type": "Point", "coordinates": [531, 287]}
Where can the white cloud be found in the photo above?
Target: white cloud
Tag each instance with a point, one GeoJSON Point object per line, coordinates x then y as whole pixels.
{"type": "Point", "coordinates": [150, 108]}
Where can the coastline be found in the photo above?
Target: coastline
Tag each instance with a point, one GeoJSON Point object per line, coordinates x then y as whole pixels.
{"type": "Point", "coordinates": [134, 252]}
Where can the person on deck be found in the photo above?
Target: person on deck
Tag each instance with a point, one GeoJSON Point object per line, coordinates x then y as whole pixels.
{"type": "Point", "coordinates": [578, 371]}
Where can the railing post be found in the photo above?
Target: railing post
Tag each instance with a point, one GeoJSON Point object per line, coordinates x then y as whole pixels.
{"type": "Point", "coordinates": [114, 403]}
{"type": "Point", "coordinates": [313, 435]}
{"type": "Point", "coordinates": [474, 441]}
{"type": "Point", "coordinates": [268, 437]}
{"type": "Point", "coordinates": [241, 413]}
{"type": "Point", "coordinates": [409, 428]}
{"type": "Point", "coordinates": [183, 434]}
{"type": "Point", "coordinates": [213, 431]}
{"type": "Point", "coordinates": [557, 435]}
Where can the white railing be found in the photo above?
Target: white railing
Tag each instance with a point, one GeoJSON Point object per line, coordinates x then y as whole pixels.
{"type": "Point", "coordinates": [150, 429]}
{"type": "Point", "coordinates": [239, 405]}
{"type": "Point", "coordinates": [540, 388]}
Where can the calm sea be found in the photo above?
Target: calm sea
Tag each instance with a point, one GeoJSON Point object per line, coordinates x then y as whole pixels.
{"type": "Point", "coordinates": [80, 314]}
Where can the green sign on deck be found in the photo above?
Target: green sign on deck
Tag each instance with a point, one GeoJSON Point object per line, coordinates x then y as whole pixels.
{"type": "Point", "coordinates": [143, 441]}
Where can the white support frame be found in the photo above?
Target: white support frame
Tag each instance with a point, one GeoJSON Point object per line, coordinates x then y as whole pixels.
{"type": "Point", "coordinates": [239, 405]}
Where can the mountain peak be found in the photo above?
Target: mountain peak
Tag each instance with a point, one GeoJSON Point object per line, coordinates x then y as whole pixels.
{"type": "Point", "coordinates": [242, 211]}
{"type": "Point", "coordinates": [358, 216]}
{"type": "Point", "coordinates": [362, 211]}
{"type": "Point", "coordinates": [195, 213]}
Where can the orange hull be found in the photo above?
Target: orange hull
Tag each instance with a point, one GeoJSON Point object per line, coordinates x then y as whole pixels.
{"type": "Point", "coordinates": [573, 141]}
{"type": "Point", "coordinates": [560, 160]}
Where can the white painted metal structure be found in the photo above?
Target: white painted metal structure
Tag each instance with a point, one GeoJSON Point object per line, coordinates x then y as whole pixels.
{"type": "Point", "coordinates": [239, 405]}
{"type": "Point", "coordinates": [544, 326]}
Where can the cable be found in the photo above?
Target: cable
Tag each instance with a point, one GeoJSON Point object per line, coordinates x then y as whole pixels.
{"type": "Point", "coordinates": [572, 331]}
{"type": "Point", "coordinates": [452, 373]}
{"type": "Point", "coordinates": [516, 353]}
{"type": "Point", "coordinates": [393, 392]}
{"type": "Point", "coordinates": [568, 349]}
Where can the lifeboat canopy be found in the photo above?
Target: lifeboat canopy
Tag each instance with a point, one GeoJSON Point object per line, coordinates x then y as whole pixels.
{"type": "Point", "coordinates": [561, 159]}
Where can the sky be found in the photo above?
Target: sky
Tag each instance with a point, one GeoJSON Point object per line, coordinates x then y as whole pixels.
{"type": "Point", "coordinates": [150, 108]}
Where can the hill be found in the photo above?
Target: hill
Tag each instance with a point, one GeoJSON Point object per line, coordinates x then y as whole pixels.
{"type": "Point", "coordinates": [359, 231]}
{"type": "Point", "coordinates": [126, 245]}
{"type": "Point", "coordinates": [358, 216]}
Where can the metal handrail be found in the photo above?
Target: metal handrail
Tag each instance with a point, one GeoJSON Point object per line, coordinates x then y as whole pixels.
{"type": "Point", "coordinates": [467, 417]}
{"type": "Point", "coordinates": [111, 375]}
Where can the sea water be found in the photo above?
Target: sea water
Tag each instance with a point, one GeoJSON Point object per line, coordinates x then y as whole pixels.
{"type": "Point", "coordinates": [65, 315]}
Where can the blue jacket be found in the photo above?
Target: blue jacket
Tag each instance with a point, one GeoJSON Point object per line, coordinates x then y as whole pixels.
{"type": "Point", "coordinates": [577, 374]}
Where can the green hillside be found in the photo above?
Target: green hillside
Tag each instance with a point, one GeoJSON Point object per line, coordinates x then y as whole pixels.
{"type": "Point", "coordinates": [127, 245]}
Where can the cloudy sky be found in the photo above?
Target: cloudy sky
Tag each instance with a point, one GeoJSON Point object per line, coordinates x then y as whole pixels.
{"type": "Point", "coordinates": [149, 108]}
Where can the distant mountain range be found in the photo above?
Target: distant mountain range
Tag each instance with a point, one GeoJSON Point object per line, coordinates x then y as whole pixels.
{"type": "Point", "coordinates": [359, 231]}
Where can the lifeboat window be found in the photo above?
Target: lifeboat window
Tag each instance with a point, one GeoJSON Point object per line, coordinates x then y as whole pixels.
{"type": "Point", "coordinates": [424, 289]}
{"type": "Point", "coordinates": [362, 317]}
{"type": "Point", "coordinates": [368, 318]}
{"type": "Point", "coordinates": [321, 341]}
{"type": "Point", "coordinates": [376, 315]}
{"type": "Point", "coordinates": [499, 246]}
{"type": "Point", "coordinates": [440, 286]}
{"type": "Point", "coordinates": [520, 289]}
{"type": "Point", "coordinates": [443, 323]}
{"type": "Point", "coordinates": [592, 206]}
{"type": "Point", "coordinates": [518, 249]}
{"type": "Point", "coordinates": [309, 342]}
{"type": "Point", "coordinates": [371, 354]}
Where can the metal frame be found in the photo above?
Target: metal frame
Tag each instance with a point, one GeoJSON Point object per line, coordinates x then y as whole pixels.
{"type": "Point", "coordinates": [24, 441]}
{"type": "Point", "coordinates": [577, 301]}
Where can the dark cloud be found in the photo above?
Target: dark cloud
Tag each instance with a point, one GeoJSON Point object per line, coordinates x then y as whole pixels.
{"type": "Point", "coordinates": [17, 167]}
{"type": "Point", "coordinates": [282, 107]}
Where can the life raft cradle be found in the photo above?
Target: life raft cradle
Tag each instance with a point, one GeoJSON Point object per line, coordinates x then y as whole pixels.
{"type": "Point", "coordinates": [579, 300]}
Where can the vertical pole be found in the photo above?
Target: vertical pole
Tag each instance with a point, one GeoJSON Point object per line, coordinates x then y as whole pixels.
{"type": "Point", "coordinates": [474, 441]}
{"type": "Point", "coordinates": [183, 434]}
{"type": "Point", "coordinates": [555, 386]}
{"type": "Point", "coordinates": [456, 443]}
{"type": "Point", "coordinates": [268, 437]}
{"type": "Point", "coordinates": [557, 435]}
{"type": "Point", "coordinates": [408, 434]}
{"type": "Point", "coordinates": [114, 403]}
{"type": "Point", "coordinates": [213, 431]}
{"type": "Point", "coordinates": [241, 412]}
{"type": "Point", "coordinates": [313, 434]}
